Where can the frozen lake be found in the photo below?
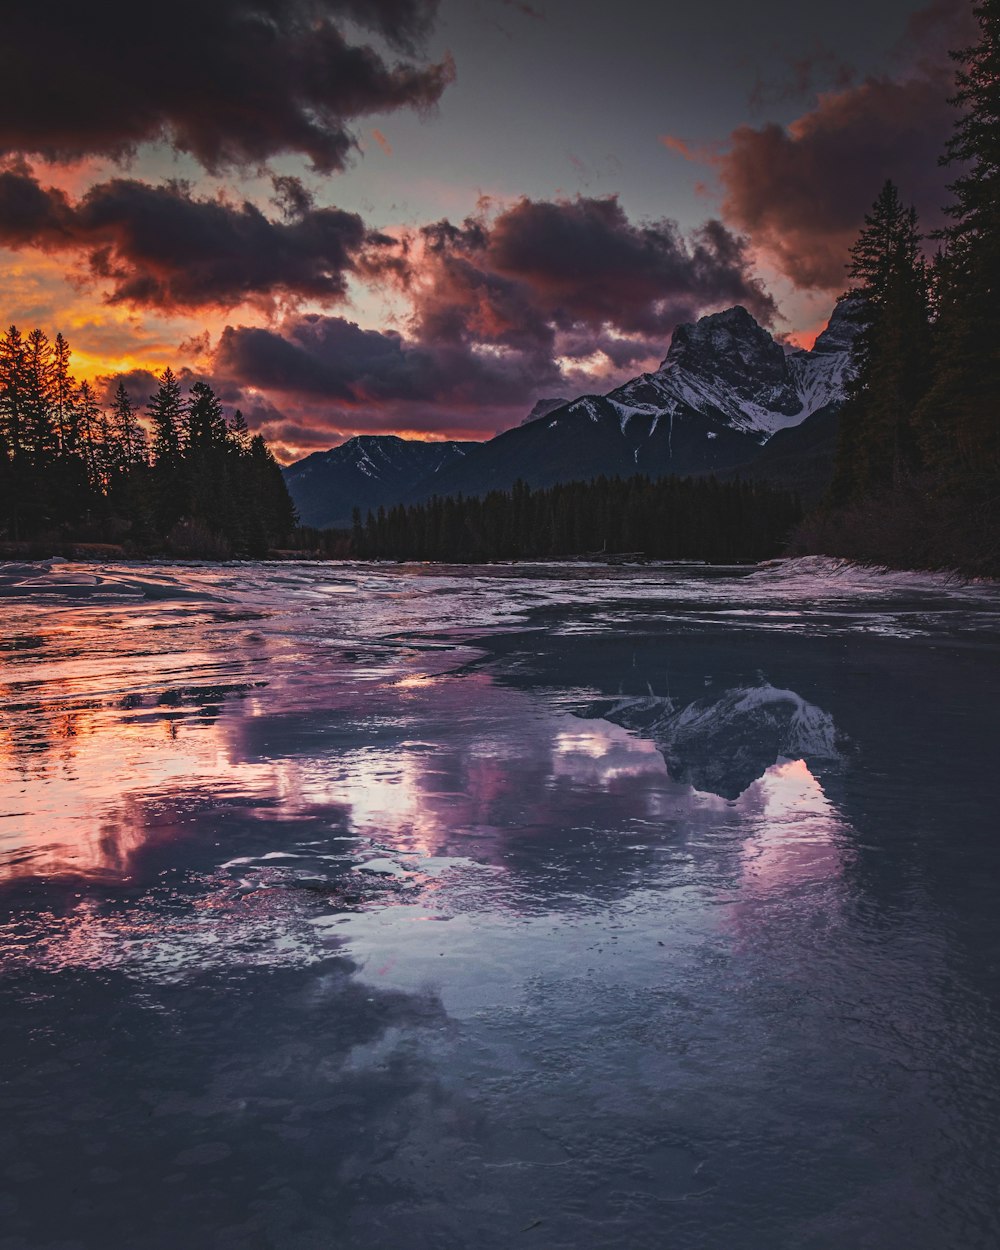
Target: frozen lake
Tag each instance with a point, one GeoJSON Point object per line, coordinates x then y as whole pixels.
{"type": "Point", "coordinates": [352, 906]}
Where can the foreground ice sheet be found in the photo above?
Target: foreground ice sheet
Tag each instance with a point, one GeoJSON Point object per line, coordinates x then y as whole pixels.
{"type": "Point", "coordinates": [365, 906]}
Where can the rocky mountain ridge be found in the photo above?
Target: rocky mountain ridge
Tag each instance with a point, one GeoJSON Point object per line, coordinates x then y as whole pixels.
{"type": "Point", "coordinates": [367, 471]}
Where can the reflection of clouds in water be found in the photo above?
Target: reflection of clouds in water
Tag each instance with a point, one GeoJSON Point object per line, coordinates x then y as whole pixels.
{"type": "Point", "coordinates": [105, 786]}
{"type": "Point", "coordinates": [600, 753]}
{"type": "Point", "coordinates": [489, 760]}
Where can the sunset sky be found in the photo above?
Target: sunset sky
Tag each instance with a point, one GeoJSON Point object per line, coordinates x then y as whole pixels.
{"type": "Point", "coordinates": [402, 216]}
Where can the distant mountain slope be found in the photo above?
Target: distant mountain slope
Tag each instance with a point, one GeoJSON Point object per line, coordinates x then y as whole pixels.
{"type": "Point", "coordinates": [595, 436]}
{"type": "Point", "coordinates": [368, 471]}
{"type": "Point", "coordinates": [728, 398]}
{"type": "Point", "coordinates": [799, 459]}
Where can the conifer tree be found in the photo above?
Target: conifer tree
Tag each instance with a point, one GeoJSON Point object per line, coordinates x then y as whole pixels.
{"type": "Point", "coordinates": [239, 433]}
{"type": "Point", "coordinates": [92, 434]}
{"type": "Point", "coordinates": [40, 436]}
{"type": "Point", "coordinates": [13, 380]}
{"type": "Point", "coordinates": [166, 415]}
{"type": "Point", "coordinates": [63, 389]}
{"type": "Point", "coordinates": [206, 460]}
{"type": "Point", "coordinates": [891, 354]}
{"type": "Point", "coordinates": [166, 411]}
{"type": "Point", "coordinates": [128, 435]}
{"type": "Point", "coordinates": [273, 504]}
{"type": "Point", "coordinates": [960, 420]}
{"type": "Point", "coordinates": [206, 425]}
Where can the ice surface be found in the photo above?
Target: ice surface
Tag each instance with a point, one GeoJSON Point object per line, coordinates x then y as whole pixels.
{"type": "Point", "coordinates": [357, 905]}
{"type": "Point", "coordinates": [76, 581]}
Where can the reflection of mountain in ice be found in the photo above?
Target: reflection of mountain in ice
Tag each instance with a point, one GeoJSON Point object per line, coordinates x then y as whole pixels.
{"type": "Point", "coordinates": [723, 745]}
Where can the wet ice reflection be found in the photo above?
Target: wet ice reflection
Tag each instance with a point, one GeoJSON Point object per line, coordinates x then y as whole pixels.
{"type": "Point", "coordinates": [327, 919]}
{"type": "Point", "coordinates": [798, 838]}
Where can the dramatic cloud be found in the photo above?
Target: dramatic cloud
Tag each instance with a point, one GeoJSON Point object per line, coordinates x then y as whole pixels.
{"type": "Point", "coordinates": [540, 297]}
{"type": "Point", "coordinates": [800, 192]}
{"type": "Point", "coordinates": [544, 269]}
{"type": "Point", "coordinates": [166, 248]}
{"type": "Point", "coordinates": [330, 358]}
{"type": "Point", "coordinates": [232, 82]}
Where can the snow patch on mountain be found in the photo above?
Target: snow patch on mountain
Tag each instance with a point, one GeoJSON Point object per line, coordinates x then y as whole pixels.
{"type": "Point", "coordinates": [589, 405]}
{"type": "Point", "coordinates": [627, 411]}
{"type": "Point", "coordinates": [725, 387]}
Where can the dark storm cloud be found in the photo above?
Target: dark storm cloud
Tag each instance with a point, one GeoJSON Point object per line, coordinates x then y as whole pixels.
{"type": "Point", "coordinates": [326, 356]}
{"type": "Point", "coordinates": [232, 82]}
{"type": "Point", "coordinates": [166, 248]}
{"type": "Point", "coordinates": [800, 192]}
{"type": "Point", "coordinates": [567, 264]}
{"type": "Point", "coordinates": [329, 357]}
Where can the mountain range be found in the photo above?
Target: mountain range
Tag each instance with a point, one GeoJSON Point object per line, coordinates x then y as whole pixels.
{"type": "Point", "coordinates": [368, 471]}
{"type": "Point", "coordinates": [728, 399]}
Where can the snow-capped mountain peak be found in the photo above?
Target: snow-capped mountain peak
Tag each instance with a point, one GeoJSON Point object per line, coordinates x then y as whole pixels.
{"type": "Point", "coordinates": [727, 365]}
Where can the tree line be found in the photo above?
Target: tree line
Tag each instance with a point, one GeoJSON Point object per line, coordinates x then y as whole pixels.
{"type": "Point", "coordinates": [917, 475]}
{"type": "Point", "coordinates": [185, 481]}
{"type": "Point", "coordinates": [664, 519]}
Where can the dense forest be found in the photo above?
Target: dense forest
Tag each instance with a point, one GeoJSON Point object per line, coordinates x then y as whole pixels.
{"type": "Point", "coordinates": [917, 478]}
{"type": "Point", "coordinates": [185, 482]}
{"type": "Point", "coordinates": [668, 519]}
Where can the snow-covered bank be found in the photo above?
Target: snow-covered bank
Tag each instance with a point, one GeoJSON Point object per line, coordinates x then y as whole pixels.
{"type": "Point", "coordinates": [847, 576]}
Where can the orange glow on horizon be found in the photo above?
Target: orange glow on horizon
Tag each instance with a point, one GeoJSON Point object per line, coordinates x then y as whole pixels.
{"type": "Point", "coordinates": [289, 452]}
{"type": "Point", "coordinates": [806, 339]}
